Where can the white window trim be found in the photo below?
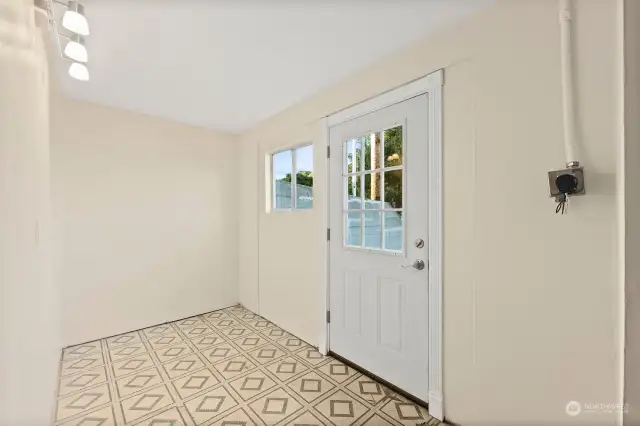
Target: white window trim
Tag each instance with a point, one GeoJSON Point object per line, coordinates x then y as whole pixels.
{"type": "Point", "coordinates": [432, 85]}
{"type": "Point", "coordinates": [294, 178]}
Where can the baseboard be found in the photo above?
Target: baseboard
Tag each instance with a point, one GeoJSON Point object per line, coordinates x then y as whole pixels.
{"type": "Point", "coordinates": [436, 405]}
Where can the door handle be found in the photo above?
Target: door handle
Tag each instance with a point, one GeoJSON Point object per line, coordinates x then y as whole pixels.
{"type": "Point", "coordinates": [418, 264]}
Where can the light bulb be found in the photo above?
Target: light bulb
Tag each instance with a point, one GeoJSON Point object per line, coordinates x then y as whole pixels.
{"type": "Point", "coordinates": [74, 19]}
{"type": "Point", "coordinates": [76, 49]}
{"type": "Point", "coordinates": [79, 71]}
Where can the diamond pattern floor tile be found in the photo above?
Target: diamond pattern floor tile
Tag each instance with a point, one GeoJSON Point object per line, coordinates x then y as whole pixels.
{"type": "Point", "coordinates": [228, 367]}
{"type": "Point", "coordinates": [138, 381]}
{"type": "Point", "coordinates": [79, 382]}
{"type": "Point", "coordinates": [145, 403]}
{"type": "Point", "coordinates": [211, 404]}
{"type": "Point", "coordinates": [83, 401]}
{"type": "Point", "coordinates": [194, 383]}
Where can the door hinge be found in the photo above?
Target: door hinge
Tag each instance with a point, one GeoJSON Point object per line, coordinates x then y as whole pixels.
{"type": "Point", "coordinates": [328, 234]}
{"type": "Point", "coordinates": [328, 152]}
{"type": "Point", "coordinates": [328, 317]}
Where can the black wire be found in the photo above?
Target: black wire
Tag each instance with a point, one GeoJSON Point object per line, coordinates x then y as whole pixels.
{"type": "Point", "coordinates": [560, 208]}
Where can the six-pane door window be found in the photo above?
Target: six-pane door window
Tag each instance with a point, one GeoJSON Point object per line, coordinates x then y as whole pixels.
{"type": "Point", "coordinates": [293, 178]}
{"type": "Point", "coordinates": [373, 188]}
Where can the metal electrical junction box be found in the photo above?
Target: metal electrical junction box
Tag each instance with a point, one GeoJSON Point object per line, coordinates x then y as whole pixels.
{"type": "Point", "coordinates": [574, 174]}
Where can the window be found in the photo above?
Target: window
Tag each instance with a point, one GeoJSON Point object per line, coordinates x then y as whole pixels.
{"type": "Point", "coordinates": [293, 178]}
{"type": "Point", "coordinates": [374, 191]}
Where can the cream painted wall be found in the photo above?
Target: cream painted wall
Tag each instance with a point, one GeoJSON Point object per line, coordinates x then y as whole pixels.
{"type": "Point", "coordinates": [524, 333]}
{"type": "Point", "coordinates": [147, 218]}
{"type": "Point", "coordinates": [29, 308]}
{"type": "Point", "coordinates": [632, 210]}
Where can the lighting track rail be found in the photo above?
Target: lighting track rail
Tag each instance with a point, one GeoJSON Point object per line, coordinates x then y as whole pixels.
{"type": "Point", "coordinates": [76, 25]}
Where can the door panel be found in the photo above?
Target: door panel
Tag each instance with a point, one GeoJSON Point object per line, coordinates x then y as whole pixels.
{"type": "Point", "coordinates": [378, 208]}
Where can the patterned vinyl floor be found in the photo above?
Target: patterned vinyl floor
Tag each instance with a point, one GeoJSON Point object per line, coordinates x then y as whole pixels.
{"type": "Point", "coordinates": [228, 367]}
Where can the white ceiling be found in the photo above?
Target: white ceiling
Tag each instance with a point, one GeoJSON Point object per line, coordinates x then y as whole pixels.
{"type": "Point", "coordinates": [229, 64]}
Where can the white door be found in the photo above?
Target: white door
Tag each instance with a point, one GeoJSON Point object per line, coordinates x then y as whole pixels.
{"type": "Point", "coordinates": [378, 219]}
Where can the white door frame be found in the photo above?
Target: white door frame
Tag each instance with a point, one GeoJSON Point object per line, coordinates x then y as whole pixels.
{"type": "Point", "coordinates": [431, 85]}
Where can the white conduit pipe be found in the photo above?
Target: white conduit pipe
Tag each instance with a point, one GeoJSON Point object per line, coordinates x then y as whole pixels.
{"type": "Point", "coordinates": [567, 82]}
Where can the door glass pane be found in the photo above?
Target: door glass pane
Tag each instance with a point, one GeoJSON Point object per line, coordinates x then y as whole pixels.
{"type": "Point", "coordinates": [354, 201]}
{"type": "Point", "coordinates": [393, 189]}
{"type": "Point", "coordinates": [304, 177]}
{"type": "Point", "coordinates": [353, 229]}
{"type": "Point", "coordinates": [372, 191]}
{"type": "Point", "coordinates": [393, 147]}
{"type": "Point", "coordinates": [353, 156]}
{"type": "Point", "coordinates": [372, 151]}
{"type": "Point", "coordinates": [393, 231]}
{"type": "Point", "coordinates": [372, 230]}
{"type": "Point", "coordinates": [282, 166]}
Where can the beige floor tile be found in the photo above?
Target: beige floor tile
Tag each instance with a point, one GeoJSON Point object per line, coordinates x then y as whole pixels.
{"type": "Point", "coordinates": [292, 343]}
{"type": "Point", "coordinates": [260, 324]}
{"type": "Point", "coordinates": [196, 382]}
{"type": "Point", "coordinates": [100, 417]}
{"type": "Point", "coordinates": [81, 351]}
{"type": "Point", "coordinates": [220, 352]}
{"type": "Point", "coordinates": [187, 323]}
{"type": "Point", "coordinates": [312, 356]}
{"type": "Point", "coordinates": [251, 341]}
{"type": "Point", "coordinates": [78, 403]}
{"type": "Point", "coordinates": [215, 316]}
{"type": "Point", "coordinates": [287, 368]}
{"type": "Point", "coordinates": [138, 381]}
{"type": "Point", "coordinates": [341, 408]}
{"type": "Point", "coordinates": [197, 331]}
{"type": "Point", "coordinates": [307, 418]}
{"type": "Point", "coordinates": [275, 406]}
{"type": "Point", "coordinates": [204, 342]}
{"type": "Point", "coordinates": [123, 352]}
{"type": "Point", "coordinates": [248, 316]}
{"type": "Point", "coordinates": [237, 310]}
{"type": "Point", "coordinates": [376, 420]}
{"type": "Point", "coordinates": [170, 417]}
{"type": "Point", "coordinates": [172, 352]}
{"type": "Point", "coordinates": [131, 365]}
{"type": "Point", "coordinates": [235, 418]}
{"type": "Point", "coordinates": [266, 354]}
{"type": "Point", "coordinates": [157, 330]}
{"type": "Point", "coordinates": [224, 368]}
{"type": "Point", "coordinates": [235, 366]}
{"type": "Point", "coordinates": [77, 365]}
{"type": "Point", "coordinates": [337, 371]}
{"type": "Point", "coordinates": [225, 322]}
{"type": "Point", "coordinates": [311, 386]}
{"type": "Point", "coordinates": [252, 384]}
{"type": "Point", "coordinates": [236, 331]}
{"type": "Point", "coordinates": [123, 340]}
{"type": "Point", "coordinates": [211, 404]}
{"type": "Point", "coordinates": [406, 412]}
{"type": "Point", "coordinates": [145, 403]}
{"type": "Point", "coordinates": [181, 366]}
{"type": "Point", "coordinates": [168, 339]}
{"type": "Point", "coordinates": [78, 382]}
{"type": "Point", "coordinates": [369, 390]}
{"type": "Point", "coordinates": [275, 333]}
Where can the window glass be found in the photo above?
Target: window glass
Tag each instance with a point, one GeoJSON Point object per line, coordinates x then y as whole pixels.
{"type": "Point", "coordinates": [304, 177]}
{"type": "Point", "coordinates": [282, 167]}
{"type": "Point", "coordinates": [393, 147]}
{"type": "Point", "coordinates": [393, 231]}
{"type": "Point", "coordinates": [374, 191]}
